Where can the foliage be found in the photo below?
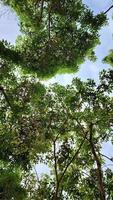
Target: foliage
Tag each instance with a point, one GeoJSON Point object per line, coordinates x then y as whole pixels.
{"type": "Point", "coordinates": [10, 183]}
{"type": "Point", "coordinates": [109, 59]}
{"type": "Point", "coordinates": [63, 127]}
{"type": "Point", "coordinates": [56, 36]}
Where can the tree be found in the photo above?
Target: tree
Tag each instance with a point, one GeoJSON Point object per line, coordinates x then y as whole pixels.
{"type": "Point", "coordinates": [56, 36]}
{"type": "Point", "coordinates": [66, 131]}
{"type": "Point", "coordinates": [16, 118]}
{"type": "Point", "coordinates": [63, 127]}
{"type": "Point", "coordinates": [78, 119]}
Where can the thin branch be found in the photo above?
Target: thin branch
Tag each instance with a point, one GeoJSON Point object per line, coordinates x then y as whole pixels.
{"type": "Point", "coordinates": [111, 159]}
{"type": "Point", "coordinates": [92, 179]}
{"type": "Point", "coordinates": [36, 173]}
{"type": "Point", "coordinates": [49, 25]}
{"type": "Point", "coordinates": [108, 9]}
{"type": "Point", "coordinates": [49, 21]}
{"type": "Point", "coordinates": [98, 162]}
{"type": "Point", "coordinates": [56, 171]}
{"type": "Point", "coordinates": [85, 173]}
{"type": "Point", "coordinates": [41, 10]}
{"type": "Point", "coordinates": [55, 162]}
{"type": "Point", "coordinates": [80, 126]}
{"type": "Point", "coordinates": [73, 158]}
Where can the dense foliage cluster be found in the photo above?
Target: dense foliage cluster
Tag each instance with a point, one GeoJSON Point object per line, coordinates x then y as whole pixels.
{"type": "Point", "coordinates": [56, 36]}
{"type": "Point", "coordinates": [61, 127]}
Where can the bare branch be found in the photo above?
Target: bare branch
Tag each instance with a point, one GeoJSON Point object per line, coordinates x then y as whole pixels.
{"type": "Point", "coordinates": [36, 173]}
{"type": "Point", "coordinates": [108, 9]}
{"type": "Point", "coordinates": [111, 159]}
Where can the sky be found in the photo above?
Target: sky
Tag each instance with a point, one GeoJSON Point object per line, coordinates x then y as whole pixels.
{"type": "Point", "coordinates": [9, 30]}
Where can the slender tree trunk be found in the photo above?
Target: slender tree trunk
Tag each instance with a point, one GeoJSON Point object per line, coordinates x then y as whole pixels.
{"type": "Point", "coordinates": [56, 192]}
{"type": "Point", "coordinates": [56, 172]}
{"type": "Point", "coordinates": [99, 167]}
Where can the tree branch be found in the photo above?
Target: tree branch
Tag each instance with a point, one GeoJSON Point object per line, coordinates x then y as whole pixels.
{"type": "Point", "coordinates": [111, 159]}
{"type": "Point", "coordinates": [73, 158]}
{"type": "Point", "coordinates": [49, 21]}
{"type": "Point", "coordinates": [56, 171]}
{"type": "Point", "coordinates": [92, 179]}
{"type": "Point", "coordinates": [49, 27]}
{"type": "Point", "coordinates": [36, 173]}
{"type": "Point", "coordinates": [41, 10]}
{"type": "Point", "coordinates": [108, 9]}
{"type": "Point", "coordinates": [55, 161]}
{"type": "Point", "coordinates": [98, 162]}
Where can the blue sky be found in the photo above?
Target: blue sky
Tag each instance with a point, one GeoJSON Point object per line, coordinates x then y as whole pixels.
{"type": "Point", "coordinates": [8, 25]}
{"type": "Point", "coordinates": [9, 30]}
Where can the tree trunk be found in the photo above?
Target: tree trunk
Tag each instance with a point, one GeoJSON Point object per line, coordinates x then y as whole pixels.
{"type": "Point", "coordinates": [99, 167]}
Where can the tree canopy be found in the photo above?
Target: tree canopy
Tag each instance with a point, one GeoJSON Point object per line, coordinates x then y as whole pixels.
{"type": "Point", "coordinates": [65, 130]}
{"type": "Point", "coordinates": [56, 36]}
{"type": "Point", "coordinates": [61, 127]}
